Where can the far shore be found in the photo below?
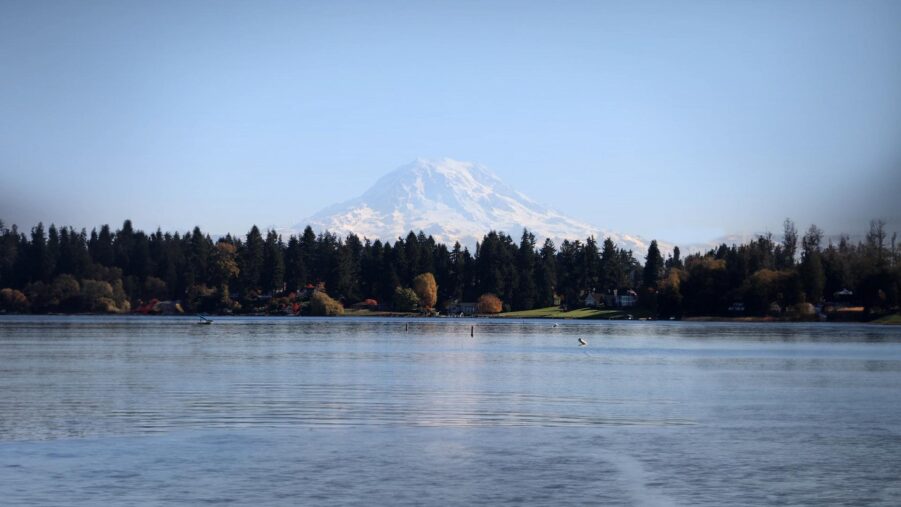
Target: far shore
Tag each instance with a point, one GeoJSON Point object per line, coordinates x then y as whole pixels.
{"type": "Point", "coordinates": [576, 314]}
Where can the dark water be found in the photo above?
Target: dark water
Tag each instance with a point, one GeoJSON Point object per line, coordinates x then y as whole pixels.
{"type": "Point", "coordinates": [150, 411]}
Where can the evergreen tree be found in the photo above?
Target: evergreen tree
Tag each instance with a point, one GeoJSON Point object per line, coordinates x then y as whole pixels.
{"type": "Point", "coordinates": [786, 257]}
{"type": "Point", "coordinates": [457, 276]}
{"type": "Point", "coordinates": [252, 257]}
{"type": "Point", "coordinates": [272, 273]}
{"type": "Point", "coordinates": [39, 256]}
{"type": "Point", "coordinates": [122, 246]}
{"type": "Point", "coordinates": [389, 280]}
{"type": "Point", "coordinates": [674, 261]}
{"type": "Point", "coordinates": [52, 253]}
{"type": "Point", "coordinates": [308, 250]}
{"type": "Point", "coordinates": [526, 294]}
{"type": "Point", "coordinates": [351, 260]}
{"type": "Point", "coordinates": [813, 277]}
{"type": "Point", "coordinates": [546, 275]}
{"type": "Point", "coordinates": [101, 247]}
{"type": "Point", "coordinates": [611, 270]}
{"type": "Point", "coordinates": [199, 250]}
{"type": "Point", "coordinates": [370, 270]}
{"type": "Point", "coordinates": [591, 260]}
{"type": "Point", "coordinates": [295, 268]}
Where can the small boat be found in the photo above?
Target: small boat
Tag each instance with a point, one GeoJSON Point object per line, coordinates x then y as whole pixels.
{"type": "Point", "coordinates": [582, 342]}
{"type": "Point", "coordinates": [204, 321]}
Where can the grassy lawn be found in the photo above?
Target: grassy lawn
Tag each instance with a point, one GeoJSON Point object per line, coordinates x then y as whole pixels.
{"type": "Point", "coordinates": [889, 319]}
{"type": "Point", "coordinates": [554, 312]}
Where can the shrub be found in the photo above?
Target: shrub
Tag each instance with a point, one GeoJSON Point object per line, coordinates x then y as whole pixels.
{"type": "Point", "coordinates": [405, 300]}
{"type": "Point", "coordinates": [13, 300]}
{"type": "Point", "coordinates": [322, 304]}
{"type": "Point", "coordinates": [155, 288]}
{"type": "Point", "coordinates": [65, 294]}
{"type": "Point", "coordinates": [100, 296]}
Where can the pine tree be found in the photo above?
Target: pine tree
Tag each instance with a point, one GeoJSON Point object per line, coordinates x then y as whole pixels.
{"type": "Point", "coordinates": [813, 277]}
{"type": "Point", "coordinates": [653, 267]}
{"type": "Point", "coordinates": [524, 298]}
{"type": "Point", "coordinates": [38, 257]}
{"type": "Point", "coordinates": [610, 270]}
{"type": "Point", "coordinates": [252, 257]}
{"type": "Point", "coordinates": [295, 268]}
{"type": "Point", "coordinates": [272, 272]}
{"type": "Point", "coordinates": [546, 275]}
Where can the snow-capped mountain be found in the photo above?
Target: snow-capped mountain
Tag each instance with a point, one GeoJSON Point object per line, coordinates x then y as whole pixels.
{"type": "Point", "coordinates": [453, 201]}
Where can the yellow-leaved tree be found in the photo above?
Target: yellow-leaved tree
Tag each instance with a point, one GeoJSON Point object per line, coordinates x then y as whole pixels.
{"type": "Point", "coordinates": [427, 289]}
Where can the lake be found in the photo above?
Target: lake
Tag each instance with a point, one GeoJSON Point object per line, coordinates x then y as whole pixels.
{"type": "Point", "coordinates": [355, 411]}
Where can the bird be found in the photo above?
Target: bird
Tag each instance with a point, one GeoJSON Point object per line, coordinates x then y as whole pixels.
{"type": "Point", "coordinates": [582, 342]}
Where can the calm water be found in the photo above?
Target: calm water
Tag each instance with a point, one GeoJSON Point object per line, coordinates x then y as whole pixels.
{"type": "Point", "coordinates": [150, 411]}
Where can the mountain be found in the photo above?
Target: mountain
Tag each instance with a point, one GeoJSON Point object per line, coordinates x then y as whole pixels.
{"type": "Point", "coordinates": [453, 201]}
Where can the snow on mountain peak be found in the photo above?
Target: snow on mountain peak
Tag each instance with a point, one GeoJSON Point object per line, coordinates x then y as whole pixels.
{"type": "Point", "coordinates": [452, 201]}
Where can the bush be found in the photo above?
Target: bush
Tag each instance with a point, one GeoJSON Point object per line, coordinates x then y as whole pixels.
{"type": "Point", "coordinates": [155, 288]}
{"type": "Point", "coordinates": [65, 294]}
{"type": "Point", "coordinates": [489, 303]}
{"type": "Point", "coordinates": [100, 296]}
{"type": "Point", "coordinates": [93, 290]}
{"type": "Point", "coordinates": [201, 298]}
{"type": "Point", "coordinates": [38, 293]}
{"type": "Point", "coordinates": [12, 300]}
{"type": "Point", "coordinates": [405, 300]}
{"type": "Point", "coordinates": [322, 304]}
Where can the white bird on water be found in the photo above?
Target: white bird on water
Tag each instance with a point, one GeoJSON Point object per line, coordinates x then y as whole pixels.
{"type": "Point", "coordinates": [582, 342]}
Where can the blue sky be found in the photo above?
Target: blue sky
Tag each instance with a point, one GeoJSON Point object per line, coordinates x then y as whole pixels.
{"type": "Point", "coordinates": [676, 120]}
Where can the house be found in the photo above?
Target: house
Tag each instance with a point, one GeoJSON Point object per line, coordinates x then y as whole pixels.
{"type": "Point", "coordinates": [842, 298]}
{"type": "Point", "coordinates": [462, 308]}
{"type": "Point", "coordinates": [737, 308]}
{"type": "Point", "coordinates": [594, 299]}
{"type": "Point", "coordinates": [621, 299]}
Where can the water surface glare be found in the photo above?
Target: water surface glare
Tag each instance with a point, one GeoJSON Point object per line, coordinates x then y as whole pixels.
{"type": "Point", "coordinates": [286, 411]}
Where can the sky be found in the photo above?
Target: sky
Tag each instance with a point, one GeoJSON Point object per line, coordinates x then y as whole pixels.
{"type": "Point", "coordinates": [682, 121]}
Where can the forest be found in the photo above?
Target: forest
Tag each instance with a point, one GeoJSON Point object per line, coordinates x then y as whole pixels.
{"type": "Point", "coordinates": [63, 270]}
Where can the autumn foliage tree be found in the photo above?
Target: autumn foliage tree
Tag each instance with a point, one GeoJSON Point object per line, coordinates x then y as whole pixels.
{"type": "Point", "coordinates": [489, 303]}
{"type": "Point", "coordinates": [427, 289]}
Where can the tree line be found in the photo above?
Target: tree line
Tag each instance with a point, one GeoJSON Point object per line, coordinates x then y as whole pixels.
{"type": "Point", "coordinates": [61, 269]}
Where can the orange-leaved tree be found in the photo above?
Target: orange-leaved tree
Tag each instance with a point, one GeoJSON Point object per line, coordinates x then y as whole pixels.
{"type": "Point", "coordinates": [489, 303]}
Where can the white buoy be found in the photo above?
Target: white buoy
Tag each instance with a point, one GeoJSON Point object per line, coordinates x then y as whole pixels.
{"type": "Point", "coordinates": [582, 342]}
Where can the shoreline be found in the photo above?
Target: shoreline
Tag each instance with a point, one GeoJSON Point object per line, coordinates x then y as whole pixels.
{"type": "Point", "coordinates": [889, 320]}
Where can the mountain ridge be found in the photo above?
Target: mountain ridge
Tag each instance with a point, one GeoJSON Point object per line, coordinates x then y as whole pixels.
{"type": "Point", "coordinates": [453, 201]}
